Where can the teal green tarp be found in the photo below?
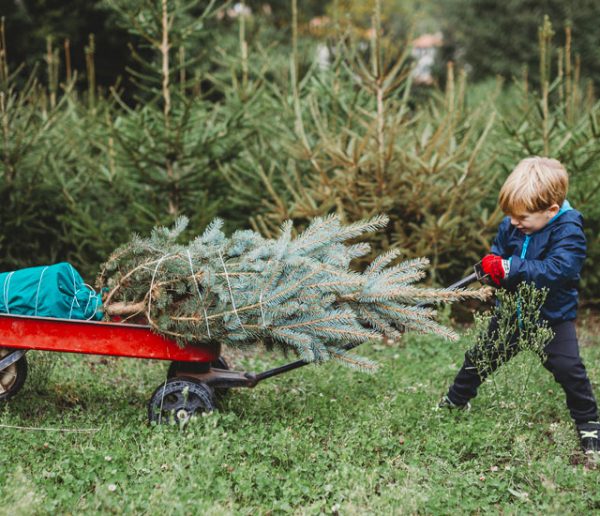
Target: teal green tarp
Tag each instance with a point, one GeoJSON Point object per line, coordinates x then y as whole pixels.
{"type": "Point", "coordinates": [49, 291]}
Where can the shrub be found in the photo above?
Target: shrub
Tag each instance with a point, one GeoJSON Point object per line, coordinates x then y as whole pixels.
{"type": "Point", "coordinates": [359, 146]}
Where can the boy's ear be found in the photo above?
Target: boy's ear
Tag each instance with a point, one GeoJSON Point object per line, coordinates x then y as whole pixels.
{"type": "Point", "coordinates": [553, 210]}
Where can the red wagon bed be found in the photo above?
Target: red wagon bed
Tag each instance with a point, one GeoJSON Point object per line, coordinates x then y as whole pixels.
{"type": "Point", "coordinates": [196, 373]}
{"type": "Point", "coordinates": [96, 338]}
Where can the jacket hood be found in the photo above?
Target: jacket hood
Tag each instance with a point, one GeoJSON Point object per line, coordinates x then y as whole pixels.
{"type": "Point", "coordinates": [566, 215]}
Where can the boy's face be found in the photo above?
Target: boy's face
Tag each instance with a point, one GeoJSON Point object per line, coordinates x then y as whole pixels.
{"type": "Point", "coordinates": [530, 222]}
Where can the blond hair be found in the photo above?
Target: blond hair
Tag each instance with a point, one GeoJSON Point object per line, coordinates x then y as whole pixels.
{"type": "Point", "coordinates": [534, 185]}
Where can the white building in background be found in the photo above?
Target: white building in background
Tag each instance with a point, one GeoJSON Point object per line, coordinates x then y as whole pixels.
{"type": "Point", "coordinates": [236, 10]}
{"type": "Point", "coordinates": [323, 56]}
{"type": "Point", "coordinates": [239, 9]}
{"type": "Point", "coordinates": [424, 50]}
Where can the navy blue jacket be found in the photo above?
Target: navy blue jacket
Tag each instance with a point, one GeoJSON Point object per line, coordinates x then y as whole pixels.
{"type": "Point", "coordinates": [551, 257]}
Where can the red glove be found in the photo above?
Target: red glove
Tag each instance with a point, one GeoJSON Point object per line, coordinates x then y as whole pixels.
{"type": "Point", "coordinates": [495, 267]}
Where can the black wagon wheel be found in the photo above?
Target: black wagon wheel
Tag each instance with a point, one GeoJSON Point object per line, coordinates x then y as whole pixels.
{"type": "Point", "coordinates": [13, 377]}
{"type": "Point", "coordinates": [178, 400]}
{"type": "Point", "coordinates": [200, 367]}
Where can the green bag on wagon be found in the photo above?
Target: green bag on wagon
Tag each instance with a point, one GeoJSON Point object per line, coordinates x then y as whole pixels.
{"type": "Point", "coordinates": [49, 291]}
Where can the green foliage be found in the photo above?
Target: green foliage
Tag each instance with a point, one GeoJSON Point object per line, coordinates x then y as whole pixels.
{"type": "Point", "coordinates": [173, 141]}
{"type": "Point", "coordinates": [299, 294]}
{"type": "Point", "coordinates": [513, 327]}
{"type": "Point", "coordinates": [499, 38]}
{"type": "Point", "coordinates": [561, 119]}
{"type": "Point", "coordinates": [354, 143]}
{"type": "Point", "coordinates": [227, 117]}
{"type": "Point", "coordinates": [79, 172]}
{"type": "Point", "coordinates": [308, 442]}
{"type": "Point", "coordinates": [29, 203]}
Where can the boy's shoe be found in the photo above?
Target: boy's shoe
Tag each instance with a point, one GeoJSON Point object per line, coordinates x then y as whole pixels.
{"type": "Point", "coordinates": [447, 403]}
{"type": "Point", "coordinates": [589, 436]}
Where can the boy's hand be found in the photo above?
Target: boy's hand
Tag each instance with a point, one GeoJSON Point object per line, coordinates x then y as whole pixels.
{"type": "Point", "coordinates": [495, 267]}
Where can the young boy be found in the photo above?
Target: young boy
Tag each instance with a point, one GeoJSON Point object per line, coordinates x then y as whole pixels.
{"type": "Point", "coordinates": [540, 241]}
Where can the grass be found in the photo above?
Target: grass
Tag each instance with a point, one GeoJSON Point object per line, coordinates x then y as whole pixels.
{"type": "Point", "coordinates": [320, 439]}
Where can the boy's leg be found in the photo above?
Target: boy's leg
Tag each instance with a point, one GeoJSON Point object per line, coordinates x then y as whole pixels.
{"type": "Point", "coordinates": [564, 362]}
{"type": "Point", "coordinates": [479, 363]}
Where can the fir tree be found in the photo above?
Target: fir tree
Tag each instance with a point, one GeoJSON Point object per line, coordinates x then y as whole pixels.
{"type": "Point", "coordinates": [170, 145]}
{"type": "Point", "coordinates": [298, 293]}
{"type": "Point", "coordinates": [560, 118]}
{"type": "Point", "coordinates": [357, 143]}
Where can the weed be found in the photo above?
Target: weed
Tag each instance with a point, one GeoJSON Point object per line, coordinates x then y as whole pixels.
{"type": "Point", "coordinates": [513, 327]}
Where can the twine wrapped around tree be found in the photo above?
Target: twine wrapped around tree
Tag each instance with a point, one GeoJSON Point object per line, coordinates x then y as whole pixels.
{"type": "Point", "coordinates": [299, 293]}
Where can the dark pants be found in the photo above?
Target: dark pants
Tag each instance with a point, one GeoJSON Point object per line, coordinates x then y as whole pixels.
{"type": "Point", "coordinates": [562, 360]}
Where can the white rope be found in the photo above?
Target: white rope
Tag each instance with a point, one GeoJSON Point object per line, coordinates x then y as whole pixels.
{"type": "Point", "coordinates": [6, 289]}
{"type": "Point", "coordinates": [199, 293]}
{"type": "Point", "coordinates": [37, 294]}
{"type": "Point", "coordinates": [75, 291]}
{"type": "Point", "coordinates": [98, 303]}
{"type": "Point", "coordinates": [231, 292]}
{"type": "Point", "coordinates": [91, 294]}
{"type": "Point", "coordinates": [87, 305]}
{"type": "Point", "coordinates": [152, 282]}
{"type": "Point", "coordinates": [73, 302]}
{"type": "Point", "coordinates": [73, 276]}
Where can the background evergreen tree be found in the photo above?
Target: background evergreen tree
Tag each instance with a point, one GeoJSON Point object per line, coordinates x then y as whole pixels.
{"type": "Point", "coordinates": [30, 205]}
{"type": "Point", "coordinates": [500, 37]}
{"type": "Point", "coordinates": [149, 163]}
{"type": "Point", "coordinates": [245, 123]}
{"type": "Point", "coordinates": [559, 118]}
{"type": "Point", "coordinates": [355, 143]}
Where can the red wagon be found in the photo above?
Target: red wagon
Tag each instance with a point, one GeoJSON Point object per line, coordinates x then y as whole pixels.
{"type": "Point", "coordinates": [196, 373]}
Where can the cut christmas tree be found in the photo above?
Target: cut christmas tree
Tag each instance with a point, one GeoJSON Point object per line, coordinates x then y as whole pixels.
{"type": "Point", "coordinates": [296, 293]}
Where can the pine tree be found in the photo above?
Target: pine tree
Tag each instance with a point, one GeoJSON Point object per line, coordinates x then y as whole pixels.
{"type": "Point", "coordinates": [560, 119]}
{"type": "Point", "coordinates": [171, 144]}
{"type": "Point", "coordinates": [30, 204]}
{"type": "Point", "coordinates": [298, 293]}
{"type": "Point", "coordinates": [355, 142]}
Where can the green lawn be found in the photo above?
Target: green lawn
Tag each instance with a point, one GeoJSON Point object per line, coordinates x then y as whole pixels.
{"type": "Point", "coordinates": [320, 439]}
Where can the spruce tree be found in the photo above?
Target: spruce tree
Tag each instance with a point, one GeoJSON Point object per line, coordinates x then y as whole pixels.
{"type": "Point", "coordinates": [170, 145]}
{"type": "Point", "coordinates": [297, 293]}
{"type": "Point", "coordinates": [30, 204]}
